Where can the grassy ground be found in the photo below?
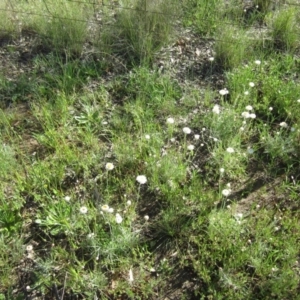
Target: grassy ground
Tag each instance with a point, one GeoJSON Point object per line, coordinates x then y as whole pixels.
{"type": "Point", "coordinates": [121, 180]}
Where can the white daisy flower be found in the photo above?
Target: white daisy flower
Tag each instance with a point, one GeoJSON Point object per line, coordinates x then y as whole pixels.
{"type": "Point", "coordinates": [230, 150]}
{"type": "Point", "coordinates": [186, 130]}
{"type": "Point", "coordinates": [226, 192]}
{"type": "Point", "coordinates": [141, 179]}
{"type": "Point", "coordinates": [223, 92]}
{"type": "Point", "coordinates": [105, 208]}
{"type": "Point", "coordinates": [109, 166]}
{"type": "Point", "coordinates": [83, 210]}
{"type": "Point", "coordinates": [29, 248]}
{"type": "Point", "coordinates": [67, 198]}
{"type": "Point", "coordinates": [245, 114]}
{"type": "Point", "coordinates": [216, 109]}
{"type": "Point", "coordinates": [283, 125]}
{"type": "Point", "coordinates": [119, 219]}
{"type": "Point", "coordinates": [170, 121]}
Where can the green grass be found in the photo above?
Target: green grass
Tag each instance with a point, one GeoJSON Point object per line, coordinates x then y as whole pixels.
{"type": "Point", "coordinates": [217, 215]}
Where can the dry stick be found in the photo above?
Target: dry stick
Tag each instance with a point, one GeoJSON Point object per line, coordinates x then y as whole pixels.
{"type": "Point", "coordinates": [63, 292]}
{"type": "Point", "coordinates": [54, 288]}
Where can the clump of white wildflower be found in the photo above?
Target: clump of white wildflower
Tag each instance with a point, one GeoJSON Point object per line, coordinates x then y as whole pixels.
{"type": "Point", "coordinates": [230, 150]}
{"type": "Point", "coordinates": [170, 121]}
{"type": "Point", "coordinates": [224, 92]}
{"type": "Point", "coordinates": [83, 210]}
{"type": "Point", "coordinates": [119, 219]}
{"type": "Point", "coordinates": [141, 179]}
{"type": "Point", "coordinates": [216, 109]}
{"type": "Point", "coordinates": [109, 166]}
{"type": "Point", "coordinates": [186, 130]}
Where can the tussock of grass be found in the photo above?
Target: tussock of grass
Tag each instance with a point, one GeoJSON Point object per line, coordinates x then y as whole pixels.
{"type": "Point", "coordinates": [139, 30]}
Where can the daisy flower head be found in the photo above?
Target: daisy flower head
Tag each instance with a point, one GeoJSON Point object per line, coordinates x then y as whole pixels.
{"type": "Point", "coordinates": [186, 130]}
{"type": "Point", "coordinates": [197, 136]}
{"type": "Point", "coordinates": [257, 62]}
{"type": "Point", "coordinates": [226, 192]}
{"type": "Point", "coordinates": [146, 217]}
{"type": "Point", "coordinates": [211, 58]}
{"type": "Point", "coordinates": [83, 210]}
{"type": "Point", "coordinates": [191, 147]}
{"type": "Point", "coordinates": [119, 219]}
{"type": "Point", "coordinates": [68, 198]}
{"type": "Point", "coordinates": [249, 107]}
{"type": "Point", "coordinates": [141, 179]}
{"type": "Point", "coordinates": [283, 125]}
{"type": "Point", "coordinates": [91, 235]}
{"type": "Point", "coordinates": [224, 92]}
{"type": "Point", "coordinates": [245, 114]}
{"type": "Point", "coordinates": [105, 208]}
{"type": "Point", "coordinates": [109, 166]}
{"type": "Point", "coordinates": [29, 248]}
{"type": "Point", "coordinates": [230, 150]}
{"type": "Point", "coordinates": [251, 84]}
{"type": "Point", "coordinates": [170, 121]}
{"type": "Point", "coordinates": [216, 109]}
